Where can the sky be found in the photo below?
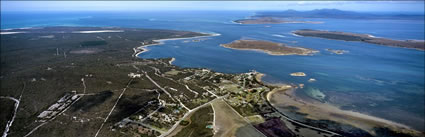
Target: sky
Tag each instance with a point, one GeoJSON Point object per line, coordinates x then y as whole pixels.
{"type": "Point", "coordinates": [363, 6]}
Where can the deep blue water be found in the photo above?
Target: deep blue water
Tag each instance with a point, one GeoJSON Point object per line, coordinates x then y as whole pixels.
{"type": "Point", "coordinates": [372, 79]}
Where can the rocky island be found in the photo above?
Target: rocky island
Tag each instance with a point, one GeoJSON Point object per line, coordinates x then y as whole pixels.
{"type": "Point", "coordinates": [337, 51]}
{"type": "Point", "coordinates": [336, 35]}
{"type": "Point", "coordinates": [268, 47]}
{"type": "Point", "coordinates": [298, 74]}
{"type": "Point", "coordinates": [271, 20]}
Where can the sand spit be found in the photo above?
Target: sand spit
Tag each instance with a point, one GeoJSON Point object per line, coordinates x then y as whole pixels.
{"type": "Point", "coordinates": [277, 35]}
{"type": "Point", "coordinates": [143, 48]}
{"type": "Point", "coordinates": [7, 33]}
{"type": "Point", "coordinates": [285, 97]}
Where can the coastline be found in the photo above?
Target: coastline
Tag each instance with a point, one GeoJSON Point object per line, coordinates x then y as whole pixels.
{"type": "Point", "coordinates": [141, 49]}
{"type": "Point", "coordinates": [272, 20]}
{"type": "Point", "coordinates": [274, 53]}
{"type": "Point", "coordinates": [11, 32]}
{"type": "Point", "coordinates": [363, 38]}
{"type": "Point", "coordinates": [20, 28]}
{"type": "Point", "coordinates": [171, 61]}
{"type": "Point", "coordinates": [259, 76]}
{"type": "Point", "coordinates": [293, 34]}
{"type": "Point", "coordinates": [324, 111]}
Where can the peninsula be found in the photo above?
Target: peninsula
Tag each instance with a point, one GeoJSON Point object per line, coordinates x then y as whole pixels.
{"type": "Point", "coordinates": [268, 47]}
{"type": "Point", "coordinates": [336, 35]}
{"type": "Point", "coordinates": [271, 20]}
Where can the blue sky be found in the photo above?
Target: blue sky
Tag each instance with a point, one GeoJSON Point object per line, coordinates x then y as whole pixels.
{"type": "Point", "coordinates": [375, 6]}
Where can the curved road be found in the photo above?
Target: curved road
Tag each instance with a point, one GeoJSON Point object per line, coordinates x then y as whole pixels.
{"type": "Point", "coordinates": [298, 122]}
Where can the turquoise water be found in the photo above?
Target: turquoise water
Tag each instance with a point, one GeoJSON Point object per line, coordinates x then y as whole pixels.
{"type": "Point", "coordinates": [382, 81]}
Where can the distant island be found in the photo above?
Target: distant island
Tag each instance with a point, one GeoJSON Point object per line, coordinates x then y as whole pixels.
{"type": "Point", "coordinates": [335, 13]}
{"type": "Point", "coordinates": [268, 47]}
{"type": "Point", "coordinates": [271, 20]}
{"type": "Point", "coordinates": [414, 44]}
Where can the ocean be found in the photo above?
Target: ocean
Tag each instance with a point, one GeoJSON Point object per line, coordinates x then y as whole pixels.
{"type": "Point", "coordinates": [382, 81]}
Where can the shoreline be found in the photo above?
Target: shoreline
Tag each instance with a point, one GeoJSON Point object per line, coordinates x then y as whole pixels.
{"type": "Point", "coordinates": [273, 53]}
{"type": "Point", "coordinates": [361, 37]}
{"type": "Point", "coordinates": [356, 115]}
{"type": "Point", "coordinates": [293, 34]}
{"type": "Point", "coordinates": [171, 61]}
{"type": "Point", "coordinates": [19, 28]}
{"type": "Point", "coordinates": [273, 20]}
{"type": "Point", "coordinates": [318, 111]}
{"type": "Point", "coordinates": [12, 32]}
{"type": "Point", "coordinates": [143, 48]}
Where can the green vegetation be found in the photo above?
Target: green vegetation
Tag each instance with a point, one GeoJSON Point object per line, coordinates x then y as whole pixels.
{"type": "Point", "coordinates": [184, 123]}
{"type": "Point", "coordinates": [198, 125]}
{"type": "Point", "coordinates": [93, 43]}
{"type": "Point", "coordinates": [268, 47]}
{"type": "Point", "coordinates": [49, 69]}
{"type": "Point", "coordinates": [414, 44]}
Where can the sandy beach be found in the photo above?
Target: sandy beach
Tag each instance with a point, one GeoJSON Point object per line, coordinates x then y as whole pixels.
{"type": "Point", "coordinates": [285, 96]}
{"type": "Point", "coordinates": [6, 33]}
{"type": "Point", "coordinates": [171, 61]}
{"type": "Point", "coordinates": [141, 49]}
{"type": "Point", "coordinates": [293, 34]}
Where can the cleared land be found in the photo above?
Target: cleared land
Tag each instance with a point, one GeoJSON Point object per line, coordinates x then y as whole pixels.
{"type": "Point", "coordinates": [268, 47]}
{"type": "Point", "coordinates": [414, 44]}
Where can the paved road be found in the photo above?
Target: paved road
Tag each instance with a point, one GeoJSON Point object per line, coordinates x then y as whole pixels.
{"type": "Point", "coordinates": [297, 122]}
{"type": "Point", "coordinates": [17, 102]}
{"type": "Point", "coordinates": [187, 114]}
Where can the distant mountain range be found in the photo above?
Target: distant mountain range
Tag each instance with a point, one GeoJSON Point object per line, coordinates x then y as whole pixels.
{"type": "Point", "coordinates": [335, 13]}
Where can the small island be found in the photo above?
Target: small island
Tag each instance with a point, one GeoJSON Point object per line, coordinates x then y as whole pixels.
{"type": "Point", "coordinates": [271, 20]}
{"type": "Point", "coordinates": [336, 51]}
{"type": "Point", "coordinates": [414, 44]}
{"type": "Point", "coordinates": [268, 47]}
{"type": "Point", "coordinates": [298, 74]}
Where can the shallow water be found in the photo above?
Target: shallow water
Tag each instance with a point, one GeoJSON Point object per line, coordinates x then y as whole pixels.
{"type": "Point", "coordinates": [372, 79]}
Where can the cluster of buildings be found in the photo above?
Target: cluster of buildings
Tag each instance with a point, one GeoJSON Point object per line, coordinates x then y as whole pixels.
{"type": "Point", "coordinates": [62, 104]}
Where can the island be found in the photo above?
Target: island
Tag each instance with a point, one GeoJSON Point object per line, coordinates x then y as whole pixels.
{"type": "Point", "coordinates": [87, 81]}
{"type": "Point", "coordinates": [298, 74]}
{"type": "Point", "coordinates": [271, 20]}
{"type": "Point", "coordinates": [271, 48]}
{"type": "Point", "coordinates": [336, 35]}
{"type": "Point", "coordinates": [337, 51]}
{"type": "Point", "coordinates": [336, 14]}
